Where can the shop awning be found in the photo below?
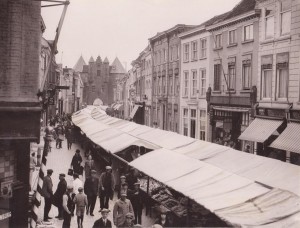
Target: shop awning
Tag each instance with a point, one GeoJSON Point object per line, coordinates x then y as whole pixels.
{"type": "Point", "coordinates": [289, 139]}
{"type": "Point", "coordinates": [231, 109]}
{"type": "Point", "coordinates": [134, 110]}
{"type": "Point", "coordinates": [260, 130]}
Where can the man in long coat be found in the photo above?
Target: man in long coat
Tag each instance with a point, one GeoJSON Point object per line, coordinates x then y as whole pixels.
{"type": "Point", "coordinates": [59, 193]}
{"type": "Point", "coordinates": [106, 187]}
{"type": "Point", "coordinates": [76, 162]}
{"type": "Point", "coordinates": [121, 208]}
{"type": "Point", "coordinates": [47, 193]}
{"type": "Point", "coordinates": [91, 186]}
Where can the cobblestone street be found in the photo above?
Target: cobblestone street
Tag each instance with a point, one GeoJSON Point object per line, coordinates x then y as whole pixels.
{"type": "Point", "coordinates": [59, 160]}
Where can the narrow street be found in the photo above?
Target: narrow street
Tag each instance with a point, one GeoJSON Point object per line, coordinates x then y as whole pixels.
{"type": "Point", "coordinates": [59, 160]}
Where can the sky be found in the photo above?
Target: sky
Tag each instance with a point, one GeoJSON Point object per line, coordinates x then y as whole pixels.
{"type": "Point", "coordinates": [121, 28]}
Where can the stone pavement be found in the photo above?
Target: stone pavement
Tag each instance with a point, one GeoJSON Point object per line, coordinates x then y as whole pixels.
{"type": "Point", "coordinates": [59, 160]}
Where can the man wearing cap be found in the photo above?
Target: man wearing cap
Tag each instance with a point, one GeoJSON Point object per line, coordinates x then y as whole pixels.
{"type": "Point", "coordinates": [80, 201]}
{"type": "Point", "coordinates": [128, 220]}
{"type": "Point", "coordinates": [47, 193]}
{"type": "Point", "coordinates": [121, 208]}
{"type": "Point", "coordinates": [137, 203]}
{"type": "Point", "coordinates": [68, 205]}
{"type": "Point", "coordinates": [91, 186]}
{"type": "Point", "coordinates": [106, 187]}
{"type": "Point", "coordinates": [76, 162]}
{"type": "Point", "coordinates": [103, 221]}
{"type": "Point", "coordinates": [58, 195]}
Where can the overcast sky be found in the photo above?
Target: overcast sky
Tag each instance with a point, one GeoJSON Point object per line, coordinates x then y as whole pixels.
{"type": "Point", "coordinates": [121, 27]}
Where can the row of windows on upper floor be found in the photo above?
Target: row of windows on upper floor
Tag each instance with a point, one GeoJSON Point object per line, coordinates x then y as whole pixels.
{"type": "Point", "coordinates": [161, 56]}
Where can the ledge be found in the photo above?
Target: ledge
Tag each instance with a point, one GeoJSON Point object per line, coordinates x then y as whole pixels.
{"type": "Point", "coordinates": [232, 45]}
{"type": "Point", "coordinates": [217, 49]}
{"type": "Point", "coordinates": [194, 60]}
{"type": "Point", "coordinates": [282, 38]}
{"type": "Point", "coordinates": [231, 92]}
{"type": "Point", "coordinates": [247, 41]}
{"type": "Point", "coordinates": [216, 92]}
{"type": "Point", "coordinates": [202, 58]}
{"type": "Point", "coordinates": [245, 91]}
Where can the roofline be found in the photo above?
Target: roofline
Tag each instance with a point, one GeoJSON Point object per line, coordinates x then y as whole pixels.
{"type": "Point", "coordinates": [170, 30]}
{"type": "Point", "coordinates": [252, 13]}
{"type": "Point", "coordinates": [198, 29]}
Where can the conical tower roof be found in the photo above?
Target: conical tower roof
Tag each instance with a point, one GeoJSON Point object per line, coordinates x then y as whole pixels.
{"type": "Point", "coordinates": [91, 60]}
{"type": "Point", "coordinates": [117, 67]}
{"type": "Point", "coordinates": [79, 65]}
{"type": "Point", "coordinates": [98, 60]}
{"type": "Point", "coordinates": [106, 60]}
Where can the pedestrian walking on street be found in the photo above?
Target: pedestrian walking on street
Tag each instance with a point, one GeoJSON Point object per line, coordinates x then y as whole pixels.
{"type": "Point", "coordinates": [77, 183]}
{"type": "Point", "coordinates": [68, 205]}
{"type": "Point", "coordinates": [121, 208]}
{"type": "Point", "coordinates": [88, 166]}
{"type": "Point", "coordinates": [106, 187]}
{"type": "Point", "coordinates": [58, 195]}
{"type": "Point", "coordinates": [76, 162]}
{"type": "Point", "coordinates": [60, 137]}
{"type": "Point", "coordinates": [123, 189]}
{"type": "Point", "coordinates": [103, 222]}
{"type": "Point", "coordinates": [137, 203]}
{"type": "Point", "coordinates": [80, 201]}
{"type": "Point", "coordinates": [32, 166]}
{"type": "Point", "coordinates": [47, 193]}
{"type": "Point", "coordinates": [91, 189]}
{"type": "Point", "coordinates": [128, 221]}
{"type": "Point", "coordinates": [69, 137]}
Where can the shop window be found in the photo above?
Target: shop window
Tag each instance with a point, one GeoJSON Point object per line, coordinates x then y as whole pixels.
{"type": "Point", "coordinates": [217, 77]}
{"type": "Point", "coordinates": [193, 123]}
{"type": "Point", "coordinates": [194, 83]}
{"type": "Point", "coordinates": [282, 65]}
{"type": "Point", "coordinates": [267, 72]}
{"type": "Point", "coordinates": [269, 22]}
{"type": "Point", "coordinates": [202, 124]}
{"type": "Point", "coordinates": [185, 121]}
{"type": "Point", "coordinates": [248, 32]}
{"type": "Point", "coordinates": [186, 84]}
{"type": "Point", "coordinates": [170, 121]}
{"type": "Point", "coordinates": [194, 50]}
{"type": "Point", "coordinates": [203, 82]}
{"type": "Point", "coordinates": [186, 48]}
{"type": "Point", "coordinates": [218, 41]}
{"type": "Point", "coordinates": [285, 17]}
{"type": "Point", "coordinates": [176, 120]}
{"type": "Point", "coordinates": [203, 47]}
{"type": "Point", "coordinates": [232, 37]}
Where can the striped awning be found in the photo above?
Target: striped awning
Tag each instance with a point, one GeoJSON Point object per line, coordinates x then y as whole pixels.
{"type": "Point", "coordinates": [260, 130]}
{"type": "Point", "coordinates": [289, 139]}
{"type": "Point", "coordinates": [134, 110]}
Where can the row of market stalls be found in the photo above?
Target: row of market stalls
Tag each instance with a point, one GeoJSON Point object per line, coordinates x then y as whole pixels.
{"type": "Point", "coordinates": [205, 182]}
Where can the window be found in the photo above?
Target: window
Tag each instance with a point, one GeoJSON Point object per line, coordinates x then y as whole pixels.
{"type": "Point", "coordinates": [194, 83]}
{"type": "Point", "coordinates": [170, 85]}
{"type": "Point", "coordinates": [285, 14]}
{"type": "Point", "coordinates": [248, 32]}
{"type": "Point", "coordinates": [267, 63]}
{"type": "Point", "coordinates": [231, 77]}
{"type": "Point", "coordinates": [185, 121]}
{"type": "Point", "coordinates": [177, 85]}
{"type": "Point", "coordinates": [98, 72]}
{"type": "Point", "coordinates": [282, 66]}
{"type": "Point", "coordinates": [171, 53]}
{"type": "Point", "coordinates": [177, 51]}
{"type": "Point", "coordinates": [186, 49]}
{"type": "Point", "coordinates": [203, 48]}
{"type": "Point", "coordinates": [218, 41]}
{"type": "Point", "coordinates": [217, 77]}
{"type": "Point", "coordinates": [154, 86]}
{"type": "Point", "coordinates": [232, 37]}
{"type": "Point", "coordinates": [202, 123]}
{"type": "Point", "coordinates": [193, 123]}
{"type": "Point", "coordinates": [194, 50]}
{"type": "Point", "coordinates": [165, 55]}
{"type": "Point", "coordinates": [203, 82]}
{"type": "Point", "coordinates": [269, 22]}
{"type": "Point", "coordinates": [164, 85]}
{"type": "Point", "coordinates": [246, 74]}
{"type": "Point", "coordinates": [170, 121]}
{"type": "Point", "coordinates": [186, 84]}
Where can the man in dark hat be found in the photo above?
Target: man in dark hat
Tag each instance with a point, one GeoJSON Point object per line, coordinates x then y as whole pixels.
{"type": "Point", "coordinates": [68, 205]}
{"type": "Point", "coordinates": [136, 199]}
{"type": "Point", "coordinates": [103, 221]}
{"type": "Point", "coordinates": [76, 162]}
{"type": "Point", "coordinates": [128, 220]}
{"type": "Point", "coordinates": [121, 208]}
{"type": "Point", "coordinates": [47, 193]}
{"type": "Point", "coordinates": [131, 178]}
{"type": "Point", "coordinates": [106, 187]}
{"type": "Point", "coordinates": [58, 195]}
{"type": "Point", "coordinates": [91, 186]}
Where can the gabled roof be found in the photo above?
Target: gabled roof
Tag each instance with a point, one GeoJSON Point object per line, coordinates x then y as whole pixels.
{"type": "Point", "coordinates": [91, 60]}
{"type": "Point", "coordinates": [106, 60]}
{"type": "Point", "coordinates": [117, 67]}
{"type": "Point", "coordinates": [79, 65]}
